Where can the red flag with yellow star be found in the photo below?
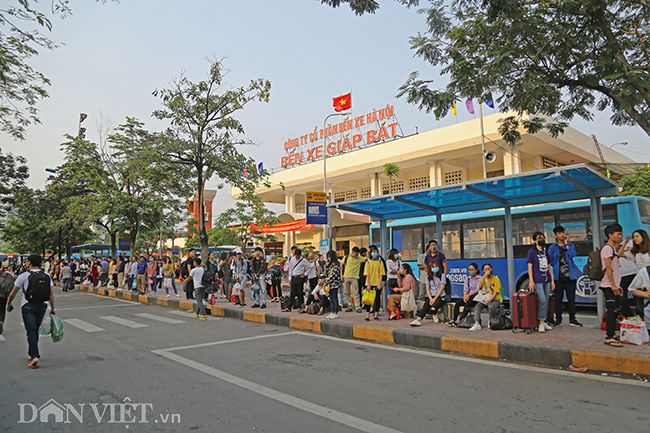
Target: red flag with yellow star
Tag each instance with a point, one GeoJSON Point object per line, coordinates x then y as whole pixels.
{"type": "Point", "coordinates": [343, 102]}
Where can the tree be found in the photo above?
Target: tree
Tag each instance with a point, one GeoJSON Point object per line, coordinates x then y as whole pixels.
{"type": "Point", "coordinates": [638, 184]}
{"type": "Point", "coordinates": [217, 236]}
{"type": "Point", "coordinates": [204, 133]}
{"type": "Point", "coordinates": [21, 87]}
{"type": "Point", "coordinates": [390, 170]}
{"type": "Point", "coordinates": [241, 219]}
{"type": "Point", "coordinates": [558, 58]}
{"type": "Point", "coordinates": [361, 7]}
{"type": "Point", "coordinates": [13, 176]}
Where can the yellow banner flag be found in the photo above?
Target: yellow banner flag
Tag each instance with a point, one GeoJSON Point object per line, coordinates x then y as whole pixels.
{"type": "Point", "coordinates": [453, 110]}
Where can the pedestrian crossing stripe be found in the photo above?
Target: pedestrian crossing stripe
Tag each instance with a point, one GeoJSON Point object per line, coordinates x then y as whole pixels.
{"type": "Point", "coordinates": [160, 318]}
{"type": "Point", "coordinates": [125, 322]}
{"type": "Point", "coordinates": [2, 338]}
{"type": "Point", "coordinates": [84, 326]}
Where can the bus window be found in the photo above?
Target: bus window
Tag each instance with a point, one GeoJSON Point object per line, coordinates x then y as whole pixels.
{"type": "Point", "coordinates": [451, 240]}
{"type": "Point", "coordinates": [524, 227]}
{"type": "Point", "coordinates": [644, 210]}
{"type": "Point", "coordinates": [411, 243]}
{"type": "Point", "coordinates": [484, 239]}
{"type": "Point", "coordinates": [430, 234]}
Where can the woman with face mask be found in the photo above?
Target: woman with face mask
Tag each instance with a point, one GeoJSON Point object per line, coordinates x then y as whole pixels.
{"type": "Point", "coordinates": [374, 272]}
{"type": "Point", "coordinates": [436, 282]}
{"type": "Point", "coordinates": [470, 289]}
{"type": "Point", "coordinates": [489, 296]}
{"type": "Point", "coordinates": [540, 277]}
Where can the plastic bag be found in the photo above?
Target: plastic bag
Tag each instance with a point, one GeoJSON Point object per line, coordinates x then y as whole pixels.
{"type": "Point", "coordinates": [167, 283]}
{"type": "Point", "coordinates": [46, 326]}
{"type": "Point", "coordinates": [408, 302]}
{"type": "Point", "coordinates": [57, 328]}
{"type": "Point", "coordinates": [368, 297]}
{"type": "Point", "coordinates": [235, 289]}
{"type": "Point", "coordinates": [634, 331]}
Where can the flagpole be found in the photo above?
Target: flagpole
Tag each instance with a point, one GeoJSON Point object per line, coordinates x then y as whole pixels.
{"type": "Point", "coordinates": [480, 110]}
{"type": "Point", "coordinates": [327, 229]}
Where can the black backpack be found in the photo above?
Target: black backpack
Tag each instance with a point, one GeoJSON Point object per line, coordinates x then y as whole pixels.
{"type": "Point", "coordinates": [38, 287]}
{"type": "Point", "coordinates": [6, 285]}
{"type": "Point", "coordinates": [207, 279]}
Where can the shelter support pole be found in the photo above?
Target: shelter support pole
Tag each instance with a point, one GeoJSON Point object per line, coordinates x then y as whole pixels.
{"type": "Point", "coordinates": [597, 236]}
{"type": "Point", "coordinates": [510, 254]}
{"type": "Point", "coordinates": [438, 232]}
{"type": "Point", "coordinates": [383, 240]}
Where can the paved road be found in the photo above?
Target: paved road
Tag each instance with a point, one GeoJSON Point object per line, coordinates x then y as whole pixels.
{"type": "Point", "coordinates": [125, 366]}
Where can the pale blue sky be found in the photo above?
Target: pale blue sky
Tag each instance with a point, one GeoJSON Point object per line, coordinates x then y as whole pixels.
{"type": "Point", "coordinates": [116, 54]}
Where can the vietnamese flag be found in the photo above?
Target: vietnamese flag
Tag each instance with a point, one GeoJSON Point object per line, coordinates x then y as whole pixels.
{"type": "Point", "coordinates": [343, 102]}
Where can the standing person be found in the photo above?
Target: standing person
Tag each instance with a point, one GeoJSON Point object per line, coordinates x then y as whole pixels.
{"type": "Point", "coordinates": [639, 252]}
{"type": "Point", "coordinates": [40, 285]}
{"type": "Point", "coordinates": [186, 267]}
{"type": "Point", "coordinates": [565, 275]}
{"type": "Point", "coordinates": [211, 265]}
{"type": "Point", "coordinates": [168, 272]}
{"type": "Point", "coordinates": [312, 275]}
{"type": "Point", "coordinates": [104, 268]}
{"type": "Point", "coordinates": [199, 291]}
{"type": "Point", "coordinates": [333, 280]}
{"type": "Point", "coordinates": [94, 272]}
{"type": "Point", "coordinates": [152, 273]}
{"type": "Point", "coordinates": [611, 282]}
{"type": "Point", "coordinates": [393, 265]}
{"type": "Point", "coordinates": [259, 277]}
{"type": "Point", "coordinates": [470, 289]}
{"type": "Point", "coordinates": [142, 275]}
{"type": "Point", "coordinates": [83, 270]}
{"type": "Point", "coordinates": [351, 268]}
{"type": "Point", "coordinates": [297, 277]}
{"type": "Point", "coordinates": [435, 287]}
{"type": "Point", "coordinates": [540, 278]}
{"type": "Point", "coordinates": [133, 274]}
{"type": "Point", "coordinates": [239, 267]}
{"type": "Point", "coordinates": [121, 267]}
{"type": "Point", "coordinates": [434, 255]}
{"type": "Point", "coordinates": [276, 279]}
{"type": "Point", "coordinates": [66, 276]}
{"type": "Point", "coordinates": [113, 274]}
{"type": "Point", "coordinates": [491, 285]}
{"type": "Point", "coordinates": [226, 271]}
{"type": "Point", "coordinates": [374, 272]}
{"type": "Point", "coordinates": [5, 291]}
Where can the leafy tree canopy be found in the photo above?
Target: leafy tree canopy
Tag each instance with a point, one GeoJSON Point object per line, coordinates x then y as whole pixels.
{"type": "Point", "coordinates": [638, 184]}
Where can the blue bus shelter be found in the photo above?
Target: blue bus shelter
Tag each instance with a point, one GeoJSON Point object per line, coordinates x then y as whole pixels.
{"type": "Point", "coordinates": [575, 182]}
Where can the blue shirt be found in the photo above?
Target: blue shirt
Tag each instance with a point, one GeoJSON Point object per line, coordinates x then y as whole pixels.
{"type": "Point", "coordinates": [104, 265]}
{"type": "Point", "coordinates": [142, 268]}
{"type": "Point", "coordinates": [554, 254]}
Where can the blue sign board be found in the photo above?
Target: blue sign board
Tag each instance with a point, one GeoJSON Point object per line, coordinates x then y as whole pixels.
{"type": "Point", "coordinates": [316, 212]}
{"type": "Point", "coordinates": [124, 244]}
{"type": "Point", "coordinates": [175, 251]}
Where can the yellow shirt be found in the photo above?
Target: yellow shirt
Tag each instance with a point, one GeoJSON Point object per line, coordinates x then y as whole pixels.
{"type": "Point", "coordinates": [168, 269]}
{"type": "Point", "coordinates": [373, 270]}
{"type": "Point", "coordinates": [493, 285]}
{"type": "Point", "coordinates": [352, 266]}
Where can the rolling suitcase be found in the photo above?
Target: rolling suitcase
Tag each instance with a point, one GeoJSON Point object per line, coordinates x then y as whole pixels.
{"type": "Point", "coordinates": [524, 311]}
{"type": "Point", "coordinates": [550, 319]}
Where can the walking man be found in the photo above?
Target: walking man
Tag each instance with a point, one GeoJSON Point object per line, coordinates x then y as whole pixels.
{"type": "Point", "coordinates": [259, 276]}
{"type": "Point", "coordinates": [37, 290]}
{"type": "Point", "coordinates": [565, 275]}
{"type": "Point", "coordinates": [196, 274]}
{"type": "Point", "coordinates": [351, 266]}
{"type": "Point", "coordinates": [297, 275]}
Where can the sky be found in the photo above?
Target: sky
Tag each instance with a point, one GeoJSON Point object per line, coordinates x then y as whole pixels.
{"type": "Point", "coordinates": [114, 55]}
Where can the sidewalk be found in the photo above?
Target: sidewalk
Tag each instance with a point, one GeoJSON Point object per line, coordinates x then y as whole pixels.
{"type": "Point", "coordinates": [561, 347]}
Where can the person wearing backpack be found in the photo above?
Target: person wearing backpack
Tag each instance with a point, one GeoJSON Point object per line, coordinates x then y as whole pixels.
{"type": "Point", "coordinates": [37, 291]}
{"type": "Point", "coordinates": [7, 282]}
{"type": "Point", "coordinates": [611, 283]}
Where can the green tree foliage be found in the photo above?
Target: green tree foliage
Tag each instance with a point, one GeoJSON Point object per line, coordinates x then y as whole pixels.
{"type": "Point", "coordinates": [560, 58]}
{"type": "Point", "coordinates": [638, 184]}
{"type": "Point", "coordinates": [390, 170]}
{"type": "Point", "coordinates": [242, 217]}
{"type": "Point", "coordinates": [13, 176]}
{"type": "Point", "coordinates": [21, 87]}
{"type": "Point", "coordinates": [217, 236]}
{"type": "Point", "coordinates": [361, 7]}
{"type": "Point", "coordinates": [204, 134]}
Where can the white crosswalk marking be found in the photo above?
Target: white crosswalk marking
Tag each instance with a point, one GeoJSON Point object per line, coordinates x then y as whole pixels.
{"type": "Point", "coordinates": [125, 322]}
{"type": "Point", "coordinates": [2, 338]}
{"type": "Point", "coordinates": [160, 318]}
{"type": "Point", "coordinates": [180, 313]}
{"type": "Point", "coordinates": [84, 326]}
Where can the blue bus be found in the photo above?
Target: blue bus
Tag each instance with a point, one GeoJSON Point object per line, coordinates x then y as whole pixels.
{"type": "Point", "coordinates": [480, 237]}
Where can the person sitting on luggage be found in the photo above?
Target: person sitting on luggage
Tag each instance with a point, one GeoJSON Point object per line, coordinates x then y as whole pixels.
{"type": "Point", "coordinates": [489, 295]}
{"type": "Point", "coordinates": [319, 294]}
{"type": "Point", "coordinates": [405, 282]}
{"type": "Point", "coordinates": [435, 285]}
{"type": "Point", "coordinates": [470, 289]}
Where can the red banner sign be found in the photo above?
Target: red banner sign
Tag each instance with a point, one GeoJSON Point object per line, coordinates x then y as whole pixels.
{"type": "Point", "coordinates": [289, 226]}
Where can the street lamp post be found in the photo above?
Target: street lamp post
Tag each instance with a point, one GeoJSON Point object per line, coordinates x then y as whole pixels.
{"type": "Point", "coordinates": [327, 230]}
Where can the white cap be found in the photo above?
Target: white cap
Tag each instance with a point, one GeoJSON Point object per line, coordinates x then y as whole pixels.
{"type": "Point", "coordinates": [238, 252]}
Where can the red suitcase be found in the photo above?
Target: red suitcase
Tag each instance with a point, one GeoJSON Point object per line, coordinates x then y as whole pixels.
{"type": "Point", "coordinates": [524, 311]}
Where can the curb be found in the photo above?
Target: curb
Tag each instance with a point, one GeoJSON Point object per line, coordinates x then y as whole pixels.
{"type": "Point", "coordinates": [512, 351]}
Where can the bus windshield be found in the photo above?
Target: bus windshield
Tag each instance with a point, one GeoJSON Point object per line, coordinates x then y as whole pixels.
{"type": "Point", "coordinates": [644, 211]}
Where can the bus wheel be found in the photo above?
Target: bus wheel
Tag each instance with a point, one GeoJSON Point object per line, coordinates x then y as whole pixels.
{"type": "Point", "coordinates": [523, 285]}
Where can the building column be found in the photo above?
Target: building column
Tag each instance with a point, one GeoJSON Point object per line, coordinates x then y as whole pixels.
{"type": "Point", "coordinates": [375, 187]}
{"type": "Point", "coordinates": [436, 175]}
{"type": "Point", "coordinates": [290, 207]}
{"type": "Point", "coordinates": [511, 160]}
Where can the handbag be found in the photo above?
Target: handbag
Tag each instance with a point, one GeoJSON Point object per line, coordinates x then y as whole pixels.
{"type": "Point", "coordinates": [313, 308]}
{"type": "Point", "coordinates": [327, 288]}
{"type": "Point", "coordinates": [408, 301]}
{"type": "Point", "coordinates": [57, 329]}
{"type": "Point", "coordinates": [150, 281]}
{"type": "Point", "coordinates": [368, 297]}
{"type": "Point", "coordinates": [501, 321]}
{"type": "Point", "coordinates": [167, 283]}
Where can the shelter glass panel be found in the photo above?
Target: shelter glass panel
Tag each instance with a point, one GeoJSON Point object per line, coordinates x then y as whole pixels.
{"type": "Point", "coordinates": [484, 239]}
{"type": "Point", "coordinates": [411, 243]}
{"type": "Point", "coordinates": [523, 228]}
{"type": "Point", "coordinates": [451, 240]}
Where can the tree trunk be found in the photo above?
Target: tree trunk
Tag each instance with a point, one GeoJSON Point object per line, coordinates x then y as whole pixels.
{"type": "Point", "coordinates": [113, 245]}
{"type": "Point", "coordinates": [134, 238]}
{"type": "Point", "coordinates": [203, 234]}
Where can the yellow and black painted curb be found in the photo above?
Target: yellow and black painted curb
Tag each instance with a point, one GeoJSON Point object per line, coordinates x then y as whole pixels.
{"type": "Point", "coordinates": [529, 353]}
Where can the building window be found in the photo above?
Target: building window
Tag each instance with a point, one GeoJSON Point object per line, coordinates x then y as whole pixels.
{"type": "Point", "coordinates": [419, 183]}
{"type": "Point", "coordinates": [339, 197]}
{"type": "Point", "coordinates": [300, 207]}
{"type": "Point", "coordinates": [366, 192]}
{"type": "Point", "coordinates": [398, 186]}
{"type": "Point", "coordinates": [350, 194]}
{"type": "Point", "coordinates": [453, 177]}
{"type": "Point", "coordinates": [549, 163]}
{"type": "Point", "coordinates": [496, 173]}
